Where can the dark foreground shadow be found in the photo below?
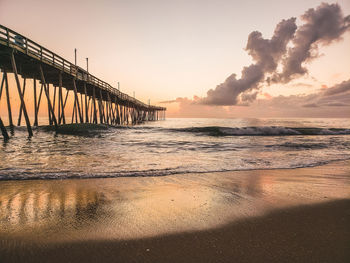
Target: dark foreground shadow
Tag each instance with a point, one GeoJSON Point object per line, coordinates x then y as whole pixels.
{"type": "Point", "coordinates": [318, 233]}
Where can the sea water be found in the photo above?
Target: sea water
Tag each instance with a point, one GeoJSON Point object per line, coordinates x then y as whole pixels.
{"type": "Point", "coordinates": [174, 146]}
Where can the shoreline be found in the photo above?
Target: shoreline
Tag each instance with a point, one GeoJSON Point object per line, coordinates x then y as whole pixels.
{"type": "Point", "coordinates": [120, 218]}
{"type": "Point", "coordinates": [335, 162]}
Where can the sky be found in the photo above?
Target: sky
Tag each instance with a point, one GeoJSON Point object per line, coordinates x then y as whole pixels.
{"type": "Point", "coordinates": [176, 51]}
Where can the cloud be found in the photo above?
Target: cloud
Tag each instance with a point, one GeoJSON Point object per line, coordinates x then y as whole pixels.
{"type": "Point", "coordinates": [300, 84]}
{"type": "Point", "coordinates": [266, 54]}
{"type": "Point", "coordinates": [338, 89]}
{"type": "Point", "coordinates": [327, 102]}
{"type": "Point", "coordinates": [310, 105]}
{"type": "Point", "coordinates": [322, 26]}
{"type": "Point", "coordinates": [336, 96]}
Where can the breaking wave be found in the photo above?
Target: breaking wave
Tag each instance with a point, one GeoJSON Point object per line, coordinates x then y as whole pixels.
{"type": "Point", "coordinates": [263, 131]}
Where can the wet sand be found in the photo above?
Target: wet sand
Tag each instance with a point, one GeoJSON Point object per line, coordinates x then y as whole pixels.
{"type": "Point", "coordinates": [295, 215]}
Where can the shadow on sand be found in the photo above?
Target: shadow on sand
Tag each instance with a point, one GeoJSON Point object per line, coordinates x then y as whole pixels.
{"type": "Point", "coordinates": [312, 233]}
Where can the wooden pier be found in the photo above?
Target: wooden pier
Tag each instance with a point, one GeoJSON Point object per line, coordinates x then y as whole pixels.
{"type": "Point", "coordinates": [95, 101]}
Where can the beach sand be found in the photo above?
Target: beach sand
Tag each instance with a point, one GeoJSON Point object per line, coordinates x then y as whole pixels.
{"type": "Point", "coordinates": [282, 215]}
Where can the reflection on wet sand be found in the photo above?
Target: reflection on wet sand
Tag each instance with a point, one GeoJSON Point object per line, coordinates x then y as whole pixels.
{"type": "Point", "coordinates": [119, 207]}
{"type": "Point", "coordinates": [40, 204]}
{"type": "Point", "coordinates": [128, 208]}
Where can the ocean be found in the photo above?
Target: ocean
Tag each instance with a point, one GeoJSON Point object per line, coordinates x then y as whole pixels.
{"type": "Point", "coordinates": [174, 146]}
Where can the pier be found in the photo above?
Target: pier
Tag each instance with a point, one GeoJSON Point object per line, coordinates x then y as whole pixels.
{"type": "Point", "coordinates": [53, 77]}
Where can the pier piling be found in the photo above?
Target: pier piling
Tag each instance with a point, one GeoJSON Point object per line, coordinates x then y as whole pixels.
{"type": "Point", "coordinates": [29, 60]}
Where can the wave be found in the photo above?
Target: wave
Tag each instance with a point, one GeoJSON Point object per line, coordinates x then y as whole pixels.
{"type": "Point", "coordinates": [299, 146]}
{"type": "Point", "coordinates": [83, 129]}
{"type": "Point", "coordinates": [87, 129]}
{"type": "Point", "coordinates": [262, 131]}
{"type": "Point", "coordinates": [22, 174]}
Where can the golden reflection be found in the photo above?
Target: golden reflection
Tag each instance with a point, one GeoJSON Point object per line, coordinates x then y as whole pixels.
{"type": "Point", "coordinates": [124, 208]}
{"type": "Point", "coordinates": [29, 203]}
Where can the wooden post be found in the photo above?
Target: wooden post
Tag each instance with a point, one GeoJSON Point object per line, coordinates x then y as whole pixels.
{"type": "Point", "coordinates": [59, 104]}
{"type": "Point", "coordinates": [35, 103]}
{"type": "Point", "coordinates": [122, 113]}
{"type": "Point", "coordinates": [107, 111]}
{"type": "Point", "coordinates": [8, 101]}
{"type": "Point", "coordinates": [118, 107]}
{"type": "Point", "coordinates": [77, 100]}
{"type": "Point", "coordinates": [14, 67]}
{"type": "Point", "coordinates": [91, 106]}
{"type": "Point", "coordinates": [73, 112]}
{"type": "Point", "coordinates": [21, 107]}
{"type": "Point", "coordinates": [114, 118]}
{"type": "Point", "coordinates": [82, 105]}
{"type": "Point", "coordinates": [110, 110]}
{"type": "Point", "coordinates": [76, 114]}
{"type": "Point", "coordinates": [54, 100]}
{"type": "Point", "coordinates": [94, 103]}
{"type": "Point", "coordinates": [47, 95]}
{"type": "Point", "coordinates": [103, 111]}
{"type": "Point", "coordinates": [133, 115]}
{"type": "Point", "coordinates": [60, 99]}
{"type": "Point", "coordinates": [47, 90]}
{"type": "Point", "coordinates": [109, 107]}
{"type": "Point", "coordinates": [86, 105]}
{"type": "Point", "coordinates": [117, 110]}
{"type": "Point", "coordinates": [127, 115]}
{"type": "Point", "coordinates": [38, 105]}
{"type": "Point", "coordinates": [100, 110]}
{"type": "Point", "coordinates": [102, 118]}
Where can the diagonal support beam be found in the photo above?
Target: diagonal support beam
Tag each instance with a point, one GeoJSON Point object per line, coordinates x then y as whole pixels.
{"type": "Point", "coordinates": [38, 106]}
{"type": "Point", "coordinates": [63, 118]}
{"type": "Point", "coordinates": [47, 96]}
{"type": "Point", "coordinates": [2, 84]}
{"type": "Point", "coordinates": [21, 108]}
{"type": "Point", "coordinates": [77, 101]}
{"type": "Point", "coordinates": [8, 101]}
{"type": "Point", "coordinates": [14, 68]}
{"type": "Point", "coordinates": [60, 101]}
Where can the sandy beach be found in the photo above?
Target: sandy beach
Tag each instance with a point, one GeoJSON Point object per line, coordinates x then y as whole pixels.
{"type": "Point", "coordinates": [282, 215]}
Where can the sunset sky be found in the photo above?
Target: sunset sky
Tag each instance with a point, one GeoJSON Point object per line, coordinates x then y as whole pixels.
{"type": "Point", "coordinates": [171, 51]}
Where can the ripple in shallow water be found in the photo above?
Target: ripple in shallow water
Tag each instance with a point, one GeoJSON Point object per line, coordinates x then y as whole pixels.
{"type": "Point", "coordinates": [173, 146]}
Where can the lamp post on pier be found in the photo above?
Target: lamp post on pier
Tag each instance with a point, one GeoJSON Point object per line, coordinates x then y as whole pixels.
{"type": "Point", "coordinates": [75, 56]}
